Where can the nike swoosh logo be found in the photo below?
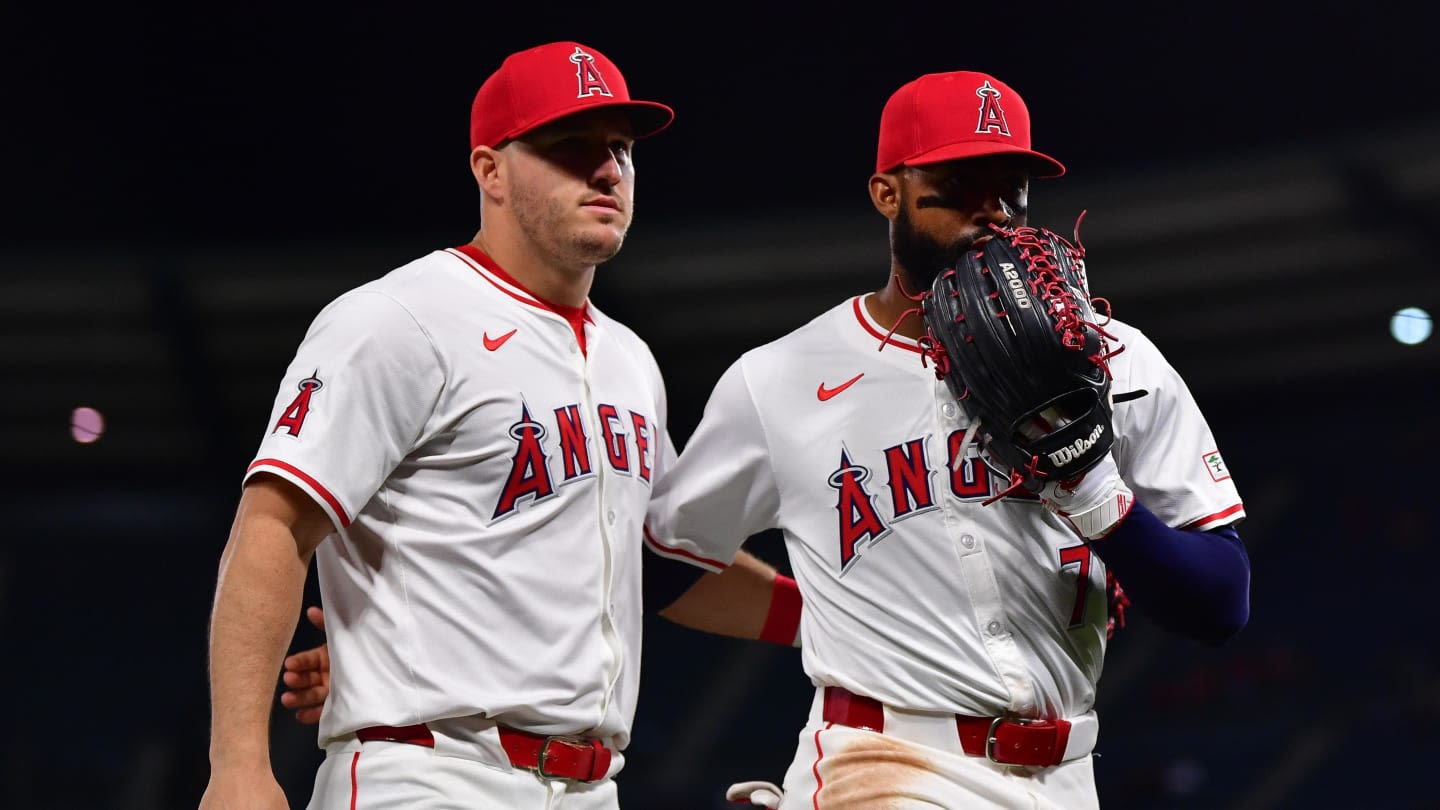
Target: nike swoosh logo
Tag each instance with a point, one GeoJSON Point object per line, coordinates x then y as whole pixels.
{"type": "Point", "coordinates": [823, 393]}
{"type": "Point", "coordinates": [494, 343]}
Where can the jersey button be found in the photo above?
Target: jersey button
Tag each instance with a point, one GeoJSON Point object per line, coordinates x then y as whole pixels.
{"type": "Point", "coordinates": [948, 409]}
{"type": "Point", "coordinates": [968, 541]}
{"type": "Point", "coordinates": [610, 517]}
{"type": "Point", "coordinates": [993, 628]}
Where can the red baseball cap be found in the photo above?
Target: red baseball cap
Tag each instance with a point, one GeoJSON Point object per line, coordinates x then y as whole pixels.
{"type": "Point", "coordinates": [533, 87]}
{"type": "Point", "coordinates": [962, 114]}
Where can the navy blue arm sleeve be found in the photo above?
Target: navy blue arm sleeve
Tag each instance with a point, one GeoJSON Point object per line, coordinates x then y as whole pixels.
{"type": "Point", "coordinates": [1193, 583]}
{"type": "Point", "coordinates": [663, 580]}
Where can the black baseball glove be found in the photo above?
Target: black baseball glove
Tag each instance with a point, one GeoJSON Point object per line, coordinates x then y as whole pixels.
{"type": "Point", "coordinates": [1013, 332]}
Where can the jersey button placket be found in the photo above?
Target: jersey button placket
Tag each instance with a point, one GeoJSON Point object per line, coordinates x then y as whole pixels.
{"type": "Point", "coordinates": [603, 481]}
{"type": "Point", "coordinates": [949, 410]}
{"type": "Point", "coordinates": [989, 607]}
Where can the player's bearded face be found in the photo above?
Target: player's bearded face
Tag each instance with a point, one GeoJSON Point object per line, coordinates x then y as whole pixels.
{"type": "Point", "coordinates": [948, 207]}
{"type": "Point", "coordinates": [924, 255]}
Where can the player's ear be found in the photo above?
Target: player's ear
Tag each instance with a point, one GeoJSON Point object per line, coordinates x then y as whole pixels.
{"type": "Point", "coordinates": [485, 164]}
{"type": "Point", "coordinates": [885, 194]}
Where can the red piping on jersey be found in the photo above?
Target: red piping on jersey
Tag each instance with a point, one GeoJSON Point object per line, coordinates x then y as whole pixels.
{"type": "Point", "coordinates": [354, 782]}
{"type": "Point", "coordinates": [577, 316]}
{"type": "Point", "coordinates": [319, 489]}
{"type": "Point", "coordinates": [1217, 516]}
{"type": "Point", "coordinates": [662, 549]}
{"type": "Point", "coordinates": [880, 336]}
{"type": "Point", "coordinates": [815, 769]}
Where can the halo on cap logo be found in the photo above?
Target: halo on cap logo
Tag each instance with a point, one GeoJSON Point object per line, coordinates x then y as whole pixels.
{"type": "Point", "coordinates": [992, 118]}
{"type": "Point", "coordinates": [591, 83]}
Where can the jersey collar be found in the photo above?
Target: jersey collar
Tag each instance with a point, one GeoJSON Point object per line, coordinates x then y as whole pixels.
{"type": "Point", "coordinates": [878, 332]}
{"type": "Point", "coordinates": [487, 267]}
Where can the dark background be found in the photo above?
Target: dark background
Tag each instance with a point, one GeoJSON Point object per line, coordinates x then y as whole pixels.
{"type": "Point", "coordinates": [183, 188]}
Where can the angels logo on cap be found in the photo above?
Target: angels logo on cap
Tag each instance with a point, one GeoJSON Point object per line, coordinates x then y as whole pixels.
{"type": "Point", "coordinates": [591, 82]}
{"type": "Point", "coordinates": [548, 82]}
{"type": "Point", "coordinates": [934, 119]}
{"type": "Point", "coordinates": [992, 117]}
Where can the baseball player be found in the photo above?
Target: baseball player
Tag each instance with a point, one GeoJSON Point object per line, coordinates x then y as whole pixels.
{"type": "Point", "coordinates": [467, 447]}
{"type": "Point", "coordinates": [955, 641]}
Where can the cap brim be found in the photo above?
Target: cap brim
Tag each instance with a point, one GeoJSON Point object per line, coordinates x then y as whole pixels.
{"type": "Point", "coordinates": [1041, 165]}
{"type": "Point", "coordinates": [646, 117]}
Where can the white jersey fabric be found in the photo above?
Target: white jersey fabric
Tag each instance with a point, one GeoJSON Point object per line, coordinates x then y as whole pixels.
{"type": "Point", "coordinates": [488, 480]}
{"type": "Point", "coordinates": [914, 593]}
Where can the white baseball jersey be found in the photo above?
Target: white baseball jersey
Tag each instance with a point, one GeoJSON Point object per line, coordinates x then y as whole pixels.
{"type": "Point", "coordinates": [915, 594]}
{"type": "Point", "coordinates": [488, 481]}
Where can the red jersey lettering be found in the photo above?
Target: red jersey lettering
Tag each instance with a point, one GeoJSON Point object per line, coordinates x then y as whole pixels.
{"type": "Point", "coordinates": [859, 521]}
{"type": "Point", "coordinates": [615, 447]}
{"type": "Point", "coordinates": [574, 447]}
{"type": "Point", "coordinates": [909, 478]}
{"type": "Point", "coordinates": [642, 445]}
{"type": "Point", "coordinates": [529, 475]}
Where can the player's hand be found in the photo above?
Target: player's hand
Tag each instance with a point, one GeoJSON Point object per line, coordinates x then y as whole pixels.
{"type": "Point", "coordinates": [1093, 504]}
{"type": "Point", "coordinates": [307, 677]}
{"type": "Point", "coordinates": [243, 791]}
{"type": "Point", "coordinates": [758, 794]}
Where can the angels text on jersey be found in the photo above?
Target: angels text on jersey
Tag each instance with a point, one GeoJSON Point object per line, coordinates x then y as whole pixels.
{"type": "Point", "coordinates": [907, 489]}
{"type": "Point", "coordinates": [546, 454]}
{"type": "Point", "coordinates": [628, 450]}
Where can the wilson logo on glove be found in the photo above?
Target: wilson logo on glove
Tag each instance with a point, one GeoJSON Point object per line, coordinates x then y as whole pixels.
{"type": "Point", "coordinates": [1065, 455]}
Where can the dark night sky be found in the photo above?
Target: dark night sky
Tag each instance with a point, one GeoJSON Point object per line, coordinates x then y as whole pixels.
{"type": "Point", "coordinates": [245, 122]}
{"type": "Point", "coordinates": [258, 125]}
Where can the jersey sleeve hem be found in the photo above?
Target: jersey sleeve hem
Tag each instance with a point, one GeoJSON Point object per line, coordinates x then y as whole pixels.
{"type": "Point", "coordinates": [305, 482]}
{"type": "Point", "coordinates": [1233, 514]}
{"type": "Point", "coordinates": [681, 554]}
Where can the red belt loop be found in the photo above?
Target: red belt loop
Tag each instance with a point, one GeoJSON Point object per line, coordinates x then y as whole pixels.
{"type": "Point", "coordinates": [1004, 740]}
{"type": "Point", "coordinates": [575, 759]}
{"type": "Point", "coordinates": [415, 735]}
{"type": "Point", "coordinates": [849, 709]}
